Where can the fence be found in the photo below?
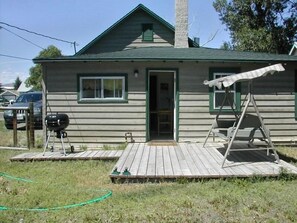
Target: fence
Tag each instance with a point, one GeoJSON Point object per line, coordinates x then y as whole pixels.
{"type": "Point", "coordinates": [29, 121]}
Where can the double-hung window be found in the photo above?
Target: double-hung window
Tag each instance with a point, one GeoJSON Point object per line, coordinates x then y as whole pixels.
{"type": "Point", "coordinates": [102, 88]}
{"type": "Point", "coordinates": [217, 95]}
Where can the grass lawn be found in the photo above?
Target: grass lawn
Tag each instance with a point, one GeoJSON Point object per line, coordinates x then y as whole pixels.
{"type": "Point", "coordinates": [62, 183]}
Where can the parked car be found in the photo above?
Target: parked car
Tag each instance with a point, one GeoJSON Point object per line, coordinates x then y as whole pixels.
{"type": "Point", "coordinates": [23, 101]}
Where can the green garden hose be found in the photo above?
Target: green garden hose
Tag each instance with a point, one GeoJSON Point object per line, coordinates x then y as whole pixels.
{"type": "Point", "coordinates": [91, 201]}
{"type": "Point", "coordinates": [15, 178]}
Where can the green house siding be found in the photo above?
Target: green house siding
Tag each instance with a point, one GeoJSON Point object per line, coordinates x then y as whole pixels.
{"type": "Point", "coordinates": [295, 94]}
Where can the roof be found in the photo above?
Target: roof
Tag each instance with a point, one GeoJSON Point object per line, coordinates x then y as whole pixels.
{"type": "Point", "coordinates": [146, 54]}
{"type": "Point", "coordinates": [115, 25]}
{"type": "Point", "coordinates": [293, 50]}
{"type": "Point", "coordinates": [175, 54]}
{"type": "Point", "coordinates": [9, 86]}
{"type": "Point", "coordinates": [23, 88]}
{"type": "Point", "coordinates": [9, 92]}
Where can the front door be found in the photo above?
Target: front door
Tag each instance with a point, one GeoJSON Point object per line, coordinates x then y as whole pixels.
{"type": "Point", "coordinates": [161, 89]}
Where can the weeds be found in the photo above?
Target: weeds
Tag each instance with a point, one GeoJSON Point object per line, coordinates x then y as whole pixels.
{"type": "Point", "coordinates": [286, 176]}
{"type": "Point", "coordinates": [121, 146]}
{"type": "Point", "coordinates": [6, 137]}
{"type": "Point", "coordinates": [59, 183]}
{"type": "Point", "coordinates": [83, 147]}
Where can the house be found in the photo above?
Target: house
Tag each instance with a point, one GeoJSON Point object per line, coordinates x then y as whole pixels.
{"type": "Point", "coordinates": [9, 95]}
{"type": "Point", "coordinates": [9, 86]}
{"type": "Point", "coordinates": [143, 77]}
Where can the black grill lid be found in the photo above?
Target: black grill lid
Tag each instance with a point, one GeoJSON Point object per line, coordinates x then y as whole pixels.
{"type": "Point", "coordinates": [57, 122]}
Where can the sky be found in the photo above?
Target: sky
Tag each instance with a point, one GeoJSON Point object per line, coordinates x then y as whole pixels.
{"type": "Point", "coordinates": [82, 21]}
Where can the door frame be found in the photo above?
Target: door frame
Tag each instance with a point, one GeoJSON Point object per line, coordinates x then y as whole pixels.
{"type": "Point", "coordinates": [176, 100]}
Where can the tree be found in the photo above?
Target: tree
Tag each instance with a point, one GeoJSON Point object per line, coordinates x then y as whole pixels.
{"type": "Point", "coordinates": [259, 25]}
{"type": "Point", "coordinates": [17, 83]}
{"type": "Point", "coordinates": [35, 72]}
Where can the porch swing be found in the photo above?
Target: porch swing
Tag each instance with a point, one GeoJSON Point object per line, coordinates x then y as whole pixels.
{"type": "Point", "coordinates": [243, 127]}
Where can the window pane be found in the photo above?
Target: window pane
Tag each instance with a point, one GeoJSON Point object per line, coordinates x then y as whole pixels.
{"type": "Point", "coordinates": [220, 93]}
{"type": "Point", "coordinates": [118, 88]}
{"type": "Point", "coordinates": [147, 32]}
{"type": "Point", "coordinates": [98, 88]}
{"type": "Point", "coordinates": [88, 88]}
{"type": "Point", "coordinates": [219, 97]}
{"type": "Point", "coordinates": [102, 87]}
{"type": "Point", "coordinates": [108, 88]}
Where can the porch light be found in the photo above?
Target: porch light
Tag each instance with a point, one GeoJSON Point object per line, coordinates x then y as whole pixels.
{"type": "Point", "coordinates": [136, 73]}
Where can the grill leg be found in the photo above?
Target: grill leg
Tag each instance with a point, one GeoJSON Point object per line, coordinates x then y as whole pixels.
{"type": "Point", "coordinates": [62, 141]}
{"type": "Point", "coordinates": [46, 144]}
{"type": "Point", "coordinates": [71, 147]}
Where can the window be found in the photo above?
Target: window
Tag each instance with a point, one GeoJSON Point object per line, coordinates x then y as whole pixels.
{"type": "Point", "coordinates": [147, 32]}
{"type": "Point", "coordinates": [102, 88]}
{"type": "Point", "coordinates": [217, 95]}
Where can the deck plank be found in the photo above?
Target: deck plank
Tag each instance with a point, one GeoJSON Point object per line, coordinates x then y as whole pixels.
{"type": "Point", "coordinates": [182, 162]}
{"type": "Point", "coordinates": [121, 162]}
{"type": "Point", "coordinates": [190, 160]}
{"type": "Point", "coordinates": [137, 160]}
{"type": "Point", "coordinates": [57, 156]}
{"type": "Point", "coordinates": [168, 170]}
{"type": "Point", "coordinates": [160, 162]}
{"type": "Point", "coordinates": [177, 171]}
{"type": "Point", "coordinates": [218, 157]}
{"type": "Point", "coordinates": [144, 162]}
{"type": "Point", "coordinates": [151, 167]}
{"type": "Point", "coordinates": [99, 154]}
{"type": "Point", "coordinates": [198, 161]}
{"type": "Point", "coordinates": [209, 161]}
{"type": "Point", "coordinates": [131, 157]}
{"type": "Point", "coordinates": [288, 167]}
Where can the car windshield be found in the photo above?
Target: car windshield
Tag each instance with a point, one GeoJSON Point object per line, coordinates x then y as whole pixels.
{"type": "Point", "coordinates": [29, 98]}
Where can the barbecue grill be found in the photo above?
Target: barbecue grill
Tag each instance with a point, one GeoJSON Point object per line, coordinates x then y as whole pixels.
{"type": "Point", "coordinates": [56, 124]}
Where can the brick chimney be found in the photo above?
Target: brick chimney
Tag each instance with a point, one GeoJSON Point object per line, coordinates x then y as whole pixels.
{"type": "Point", "coordinates": [181, 24]}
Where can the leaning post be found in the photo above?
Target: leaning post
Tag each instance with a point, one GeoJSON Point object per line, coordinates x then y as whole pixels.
{"type": "Point", "coordinates": [28, 129]}
{"type": "Point", "coordinates": [31, 126]}
{"type": "Point", "coordinates": [14, 125]}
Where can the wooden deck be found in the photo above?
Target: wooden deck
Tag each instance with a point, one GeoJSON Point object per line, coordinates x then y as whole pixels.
{"type": "Point", "coordinates": [191, 160]}
{"type": "Point", "coordinates": [58, 156]}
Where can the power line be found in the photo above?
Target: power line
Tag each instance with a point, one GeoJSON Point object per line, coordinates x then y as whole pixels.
{"type": "Point", "coordinates": [15, 57]}
{"type": "Point", "coordinates": [39, 34]}
{"type": "Point", "coordinates": [1, 27]}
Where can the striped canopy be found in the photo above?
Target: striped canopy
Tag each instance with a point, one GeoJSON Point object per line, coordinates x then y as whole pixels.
{"type": "Point", "coordinates": [231, 79]}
